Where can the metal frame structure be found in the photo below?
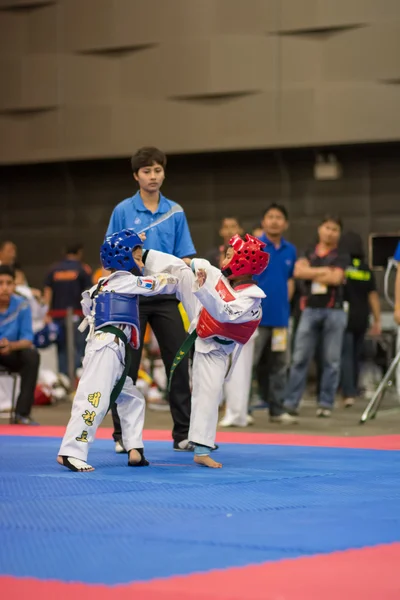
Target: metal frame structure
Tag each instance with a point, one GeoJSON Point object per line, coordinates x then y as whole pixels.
{"type": "Point", "coordinates": [387, 382]}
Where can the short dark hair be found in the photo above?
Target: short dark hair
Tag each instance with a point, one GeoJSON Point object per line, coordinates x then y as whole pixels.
{"type": "Point", "coordinates": [333, 219]}
{"type": "Point", "coordinates": [275, 206]}
{"type": "Point", "coordinates": [4, 243]}
{"type": "Point", "coordinates": [233, 218]}
{"type": "Point", "coordinates": [73, 247]}
{"type": "Point", "coordinates": [146, 157]}
{"type": "Point", "coordinates": [7, 270]}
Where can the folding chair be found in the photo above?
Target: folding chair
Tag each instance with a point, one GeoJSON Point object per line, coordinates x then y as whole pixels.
{"type": "Point", "coordinates": [7, 373]}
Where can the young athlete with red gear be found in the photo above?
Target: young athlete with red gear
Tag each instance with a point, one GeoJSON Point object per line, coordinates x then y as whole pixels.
{"type": "Point", "coordinates": [224, 307]}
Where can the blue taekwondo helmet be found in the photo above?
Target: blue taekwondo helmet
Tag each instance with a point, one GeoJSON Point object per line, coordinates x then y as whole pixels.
{"type": "Point", "coordinates": [116, 251]}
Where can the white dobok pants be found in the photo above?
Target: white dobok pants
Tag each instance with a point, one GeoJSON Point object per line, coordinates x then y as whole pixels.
{"type": "Point", "coordinates": [102, 368]}
{"type": "Point", "coordinates": [237, 388]}
{"type": "Point", "coordinates": [211, 360]}
{"type": "Point", "coordinates": [208, 376]}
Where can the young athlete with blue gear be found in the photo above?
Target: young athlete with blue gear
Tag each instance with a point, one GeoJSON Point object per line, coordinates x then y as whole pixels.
{"type": "Point", "coordinates": [112, 314]}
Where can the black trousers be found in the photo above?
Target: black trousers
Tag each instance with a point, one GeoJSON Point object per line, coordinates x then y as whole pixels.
{"type": "Point", "coordinates": [163, 316]}
{"type": "Point", "coordinates": [26, 364]}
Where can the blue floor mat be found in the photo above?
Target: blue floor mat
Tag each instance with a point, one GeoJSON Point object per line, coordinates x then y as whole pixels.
{"type": "Point", "coordinates": [118, 524]}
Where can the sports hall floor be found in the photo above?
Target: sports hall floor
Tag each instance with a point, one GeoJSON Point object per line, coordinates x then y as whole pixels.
{"type": "Point", "coordinates": [298, 513]}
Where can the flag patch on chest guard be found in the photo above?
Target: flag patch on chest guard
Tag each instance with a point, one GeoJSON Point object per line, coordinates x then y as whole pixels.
{"type": "Point", "coordinates": [145, 283]}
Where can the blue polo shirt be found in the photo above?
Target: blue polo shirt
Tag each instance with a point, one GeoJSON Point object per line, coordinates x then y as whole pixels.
{"type": "Point", "coordinates": [274, 283]}
{"type": "Point", "coordinates": [397, 253]}
{"type": "Point", "coordinates": [16, 322]}
{"type": "Point", "coordinates": [170, 235]}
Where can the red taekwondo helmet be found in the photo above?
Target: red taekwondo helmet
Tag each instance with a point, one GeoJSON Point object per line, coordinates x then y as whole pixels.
{"type": "Point", "coordinates": [249, 257]}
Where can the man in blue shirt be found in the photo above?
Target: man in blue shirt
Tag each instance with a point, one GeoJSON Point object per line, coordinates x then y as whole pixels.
{"type": "Point", "coordinates": [166, 228]}
{"type": "Point", "coordinates": [16, 348]}
{"type": "Point", "coordinates": [271, 353]}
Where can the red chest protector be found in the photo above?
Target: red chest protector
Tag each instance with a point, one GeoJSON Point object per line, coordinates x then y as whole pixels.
{"type": "Point", "coordinates": [208, 327]}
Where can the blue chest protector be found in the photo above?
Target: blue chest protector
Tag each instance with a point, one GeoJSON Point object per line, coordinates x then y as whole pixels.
{"type": "Point", "coordinates": [117, 309]}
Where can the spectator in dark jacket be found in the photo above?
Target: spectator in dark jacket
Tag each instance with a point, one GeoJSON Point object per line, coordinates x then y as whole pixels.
{"type": "Point", "coordinates": [362, 299]}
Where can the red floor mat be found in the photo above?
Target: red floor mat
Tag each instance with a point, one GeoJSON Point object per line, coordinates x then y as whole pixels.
{"type": "Point", "coordinates": [366, 574]}
{"type": "Point", "coordinates": [377, 442]}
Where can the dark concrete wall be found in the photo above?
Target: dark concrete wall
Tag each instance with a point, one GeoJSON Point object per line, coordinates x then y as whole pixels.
{"type": "Point", "coordinates": [43, 206]}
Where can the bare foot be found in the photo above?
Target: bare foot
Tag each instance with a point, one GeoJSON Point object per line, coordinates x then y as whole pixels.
{"type": "Point", "coordinates": [207, 461]}
{"type": "Point", "coordinates": [137, 458]}
{"type": "Point", "coordinates": [134, 457]}
{"type": "Point", "coordinates": [74, 464]}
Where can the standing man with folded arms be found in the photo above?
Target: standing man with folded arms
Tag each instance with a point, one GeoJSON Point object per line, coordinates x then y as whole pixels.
{"type": "Point", "coordinates": [166, 228]}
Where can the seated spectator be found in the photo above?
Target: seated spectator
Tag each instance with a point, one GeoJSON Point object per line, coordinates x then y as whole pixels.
{"type": "Point", "coordinates": [34, 296]}
{"type": "Point", "coordinates": [16, 348]}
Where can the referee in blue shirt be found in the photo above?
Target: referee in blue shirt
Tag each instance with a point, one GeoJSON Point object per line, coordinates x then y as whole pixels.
{"type": "Point", "coordinates": [166, 228]}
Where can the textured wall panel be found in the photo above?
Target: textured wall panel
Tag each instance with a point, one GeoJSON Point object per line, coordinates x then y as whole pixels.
{"type": "Point", "coordinates": [30, 136]}
{"type": "Point", "coordinates": [44, 134]}
{"type": "Point", "coordinates": [89, 24]}
{"type": "Point", "coordinates": [89, 80]}
{"type": "Point", "coordinates": [118, 24]}
{"type": "Point", "coordinates": [238, 16]}
{"type": "Point", "coordinates": [87, 129]}
{"type": "Point", "coordinates": [357, 113]}
{"type": "Point", "coordinates": [168, 124]}
{"type": "Point", "coordinates": [247, 120]}
{"type": "Point", "coordinates": [366, 54]}
{"type": "Point", "coordinates": [316, 14]}
{"type": "Point", "coordinates": [297, 116]}
{"type": "Point", "coordinates": [301, 59]}
{"type": "Point", "coordinates": [219, 65]}
{"type": "Point", "coordinates": [232, 64]}
{"type": "Point", "coordinates": [362, 54]}
{"type": "Point", "coordinates": [196, 75]}
{"type": "Point", "coordinates": [9, 4]}
{"type": "Point", "coordinates": [29, 82]}
{"type": "Point", "coordinates": [13, 26]}
{"type": "Point", "coordinates": [45, 29]}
